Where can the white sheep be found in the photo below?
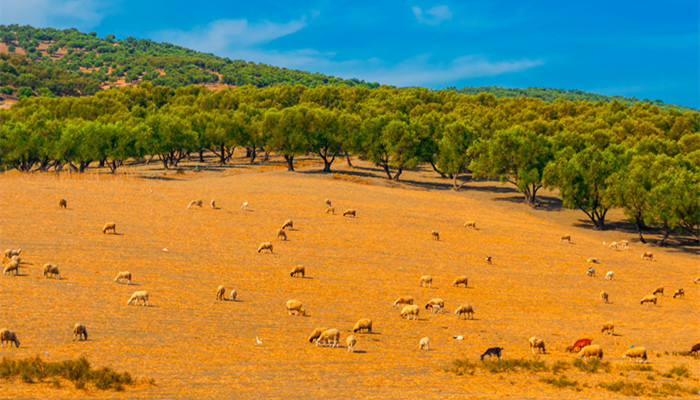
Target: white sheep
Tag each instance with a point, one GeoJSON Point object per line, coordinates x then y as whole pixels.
{"type": "Point", "coordinates": [538, 344]}
{"type": "Point", "coordinates": [195, 203]}
{"type": "Point", "coordinates": [221, 292]}
{"type": "Point", "coordinates": [364, 324]}
{"type": "Point", "coordinates": [613, 245]}
{"type": "Point", "coordinates": [329, 337]}
{"type": "Point", "coordinates": [409, 311]}
{"type": "Point", "coordinates": [565, 237]}
{"type": "Point", "coordinates": [405, 300]}
{"type": "Point", "coordinates": [435, 305]}
{"type": "Point", "coordinates": [470, 224]}
{"type": "Point", "coordinates": [330, 210]}
{"type": "Point", "coordinates": [349, 213]}
{"type": "Point", "coordinates": [424, 344]}
{"type": "Point", "coordinates": [436, 235]}
{"type": "Point", "coordinates": [350, 341]}
{"type": "Point", "coordinates": [234, 294]}
{"type": "Point", "coordinates": [426, 280]}
{"type": "Point", "coordinates": [609, 275]}
{"type": "Point", "coordinates": [650, 298]}
{"type": "Point", "coordinates": [697, 280]}
{"type": "Point", "coordinates": [12, 266]}
{"type": "Point", "coordinates": [467, 311]}
{"type": "Point", "coordinates": [593, 260]}
{"type": "Point", "coordinates": [281, 234]}
{"type": "Point", "coordinates": [265, 246]}
{"type": "Point", "coordinates": [316, 333]}
{"type": "Point", "coordinates": [623, 244]}
{"type": "Point", "coordinates": [591, 271]}
{"type": "Point", "coordinates": [658, 290]}
{"type": "Point", "coordinates": [604, 296]}
{"type": "Point", "coordinates": [51, 271]}
{"type": "Point", "coordinates": [213, 204]}
{"type": "Point", "coordinates": [139, 296]}
{"type": "Point", "coordinates": [608, 327]}
{"type": "Point", "coordinates": [296, 307]}
{"type": "Point", "coordinates": [9, 253]}
{"type": "Point", "coordinates": [245, 206]}
{"type": "Point", "coordinates": [288, 224]}
{"type": "Point", "coordinates": [110, 226]}
{"type": "Point", "coordinates": [123, 276]}
{"type": "Point", "coordinates": [298, 270]}
{"type": "Point", "coordinates": [637, 353]}
{"type": "Point", "coordinates": [461, 280]}
{"type": "Point", "coordinates": [679, 293]}
{"type": "Point", "coordinates": [592, 350]}
{"type": "Point", "coordinates": [648, 255]}
{"type": "Point", "coordinates": [8, 336]}
{"type": "Point", "coordinates": [79, 332]}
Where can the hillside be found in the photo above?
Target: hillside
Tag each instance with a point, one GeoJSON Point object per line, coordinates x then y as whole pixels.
{"type": "Point", "coordinates": [194, 346]}
{"type": "Point", "coordinates": [107, 62]}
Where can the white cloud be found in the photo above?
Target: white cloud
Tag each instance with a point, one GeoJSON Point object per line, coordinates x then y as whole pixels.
{"type": "Point", "coordinates": [432, 16]}
{"type": "Point", "coordinates": [81, 14]}
{"type": "Point", "coordinates": [228, 35]}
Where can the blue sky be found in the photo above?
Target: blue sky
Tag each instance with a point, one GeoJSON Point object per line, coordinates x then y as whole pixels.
{"type": "Point", "coordinates": [647, 49]}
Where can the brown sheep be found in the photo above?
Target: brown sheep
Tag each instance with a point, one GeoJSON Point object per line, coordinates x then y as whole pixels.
{"type": "Point", "coordinates": [604, 296]}
{"type": "Point", "coordinates": [680, 293]}
{"type": "Point", "coordinates": [330, 210]}
{"type": "Point", "coordinates": [265, 246]}
{"type": "Point", "coordinates": [62, 203]}
{"type": "Point", "coordinates": [658, 290]}
{"type": "Point", "coordinates": [436, 235]}
{"type": "Point", "coordinates": [608, 327]}
{"type": "Point", "coordinates": [470, 224]}
{"type": "Point", "coordinates": [460, 280]}
{"type": "Point", "coordinates": [8, 336]}
{"type": "Point", "coordinates": [281, 234]}
{"type": "Point", "coordinates": [565, 237]}
{"type": "Point", "coordinates": [349, 213]}
{"type": "Point", "coordinates": [538, 344]}
{"type": "Point", "coordinates": [298, 270]}
{"type": "Point", "coordinates": [649, 299]}
{"type": "Point", "coordinates": [79, 332]}
{"type": "Point", "coordinates": [110, 226]}
{"type": "Point", "coordinates": [648, 255]}
{"type": "Point", "coordinates": [51, 271]}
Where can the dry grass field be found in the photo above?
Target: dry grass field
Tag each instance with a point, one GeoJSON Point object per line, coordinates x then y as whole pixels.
{"type": "Point", "coordinates": [194, 346]}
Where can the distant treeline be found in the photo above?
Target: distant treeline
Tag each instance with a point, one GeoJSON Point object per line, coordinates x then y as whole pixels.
{"type": "Point", "coordinates": [598, 155]}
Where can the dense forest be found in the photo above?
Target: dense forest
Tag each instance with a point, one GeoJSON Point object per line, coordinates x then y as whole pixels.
{"type": "Point", "coordinates": [597, 155]}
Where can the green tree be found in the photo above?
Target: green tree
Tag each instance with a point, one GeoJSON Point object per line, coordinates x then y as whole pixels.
{"type": "Point", "coordinates": [453, 154]}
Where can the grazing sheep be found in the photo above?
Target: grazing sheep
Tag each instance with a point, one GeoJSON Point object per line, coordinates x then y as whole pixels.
{"type": "Point", "coordinates": [579, 344]}
{"type": "Point", "coordinates": [52, 271]}
{"type": "Point", "coordinates": [350, 341]}
{"type": "Point", "coordinates": [658, 290]}
{"type": "Point", "coordinates": [316, 333]}
{"type": "Point", "coordinates": [327, 203]}
{"type": "Point", "coordinates": [591, 271]}
{"type": "Point", "coordinates": [139, 296]}
{"type": "Point", "coordinates": [298, 270]}
{"type": "Point", "coordinates": [604, 296]}
{"type": "Point", "coordinates": [623, 244]}
{"type": "Point", "coordinates": [608, 327]}
{"type": "Point", "coordinates": [123, 276]}
{"type": "Point", "coordinates": [426, 280]}
{"type": "Point", "coordinates": [460, 280]}
{"type": "Point", "coordinates": [110, 226]}
{"type": "Point", "coordinates": [195, 203]}
{"type": "Point", "coordinates": [221, 293]}
{"type": "Point", "coordinates": [613, 245]}
{"type": "Point", "coordinates": [680, 293]}
{"type": "Point", "coordinates": [281, 234]}
{"type": "Point", "coordinates": [697, 280]}
{"type": "Point", "coordinates": [435, 302]}
{"type": "Point", "coordinates": [593, 260]}
{"type": "Point", "coordinates": [405, 300]}
{"type": "Point", "coordinates": [488, 259]}
{"type": "Point", "coordinates": [648, 255]}
{"type": "Point", "coordinates": [349, 213]}
{"type": "Point", "coordinates": [79, 332]}
{"type": "Point", "coordinates": [364, 324]}
{"type": "Point", "coordinates": [62, 203]}
{"type": "Point", "coordinates": [695, 349]}
{"type": "Point", "coordinates": [234, 294]}
{"type": "Point", "coordinates": [288, 224]}
{"type": "Point", "coordinates": [9, 253]}
{"type": "Point", "coordinates": [244, 206]}
{"type": "Point", "coordinates": [467, 311]}
{"type": "Point", "coordinates": [424, 344]}
{"type": "Point", "coordinates": [213, 204]}
{"type": "Point", "coordinates": [329, 337]}
{"type": "Point", "coordinates": [409, 311]}
{"type": "Point", "coordinates": [609, 275]}
{"type": "Point", "coordinates": [265, 246]}
{"type": "Point", "coordinates": [637, 353]}
{"type": "Point", "coordinates": [565, 237]}
{"type": "Point", "coordinates": [435, 234]}
{"type": "Point", "coordinates": [492, 352]}
{"type": "Point", "coordinates": [592, 350]}
{"type": "Point", "coordinates": [470, 224]}
{"type": "Point", "coordinates": [12, 266]}
{"type": "Point", "coordinates": [330, 210]}
{"type": "Point", "coordinates": [8, 336]}
{"type": "Point", "coordinates": [538, 344]}
{"type": "Point", "coordinates": [296, 307]}
{"type": "Point", "coordinates": [650, 298]}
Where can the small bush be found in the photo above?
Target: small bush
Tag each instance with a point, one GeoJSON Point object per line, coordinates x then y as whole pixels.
{"type": "Point", "coordinates": [504, 365]}
{"type": "Point", "coordinates": [592, 365]}
{"type": "Point", "coordinates": [638, 367]}
{"type": "Point", "coordinates": [640, 389]}
{"type": "Point", "coordinates": [625, 387]}
{"type": "Point", "coordinates": [559, 366]}
{"type": "Point", "coordinates": [679, 370]}
{"type": "Point", "coordinates": [561, 382]}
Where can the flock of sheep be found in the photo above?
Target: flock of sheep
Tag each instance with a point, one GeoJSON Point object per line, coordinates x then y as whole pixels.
{"type": "Point", "coordinates": [330, 337]}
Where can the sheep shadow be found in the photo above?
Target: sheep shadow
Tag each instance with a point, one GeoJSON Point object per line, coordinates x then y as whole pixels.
{"type": "Point", "coordinates": [359, 351]}
{"type": "Point", "coordinates": [115, 234]}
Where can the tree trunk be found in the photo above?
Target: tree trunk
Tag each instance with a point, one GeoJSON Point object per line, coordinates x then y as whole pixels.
{"type": "Point", "coordinates": [347, 158]}
{"type": "Point", "coordinates": [201, 156]}
{"type": "Point", "coordinates": [638, 222]}
{"type": "Point", "coordinates": [290, 162]}
{"type": "Point", "coordinates": [435, 168]}
{"type": "Point", "coordinates": [252, 154]}
{"type": "Point", "coordinates": [398, 173]}
{"type": "Point", "coordinates": [667, 233]}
